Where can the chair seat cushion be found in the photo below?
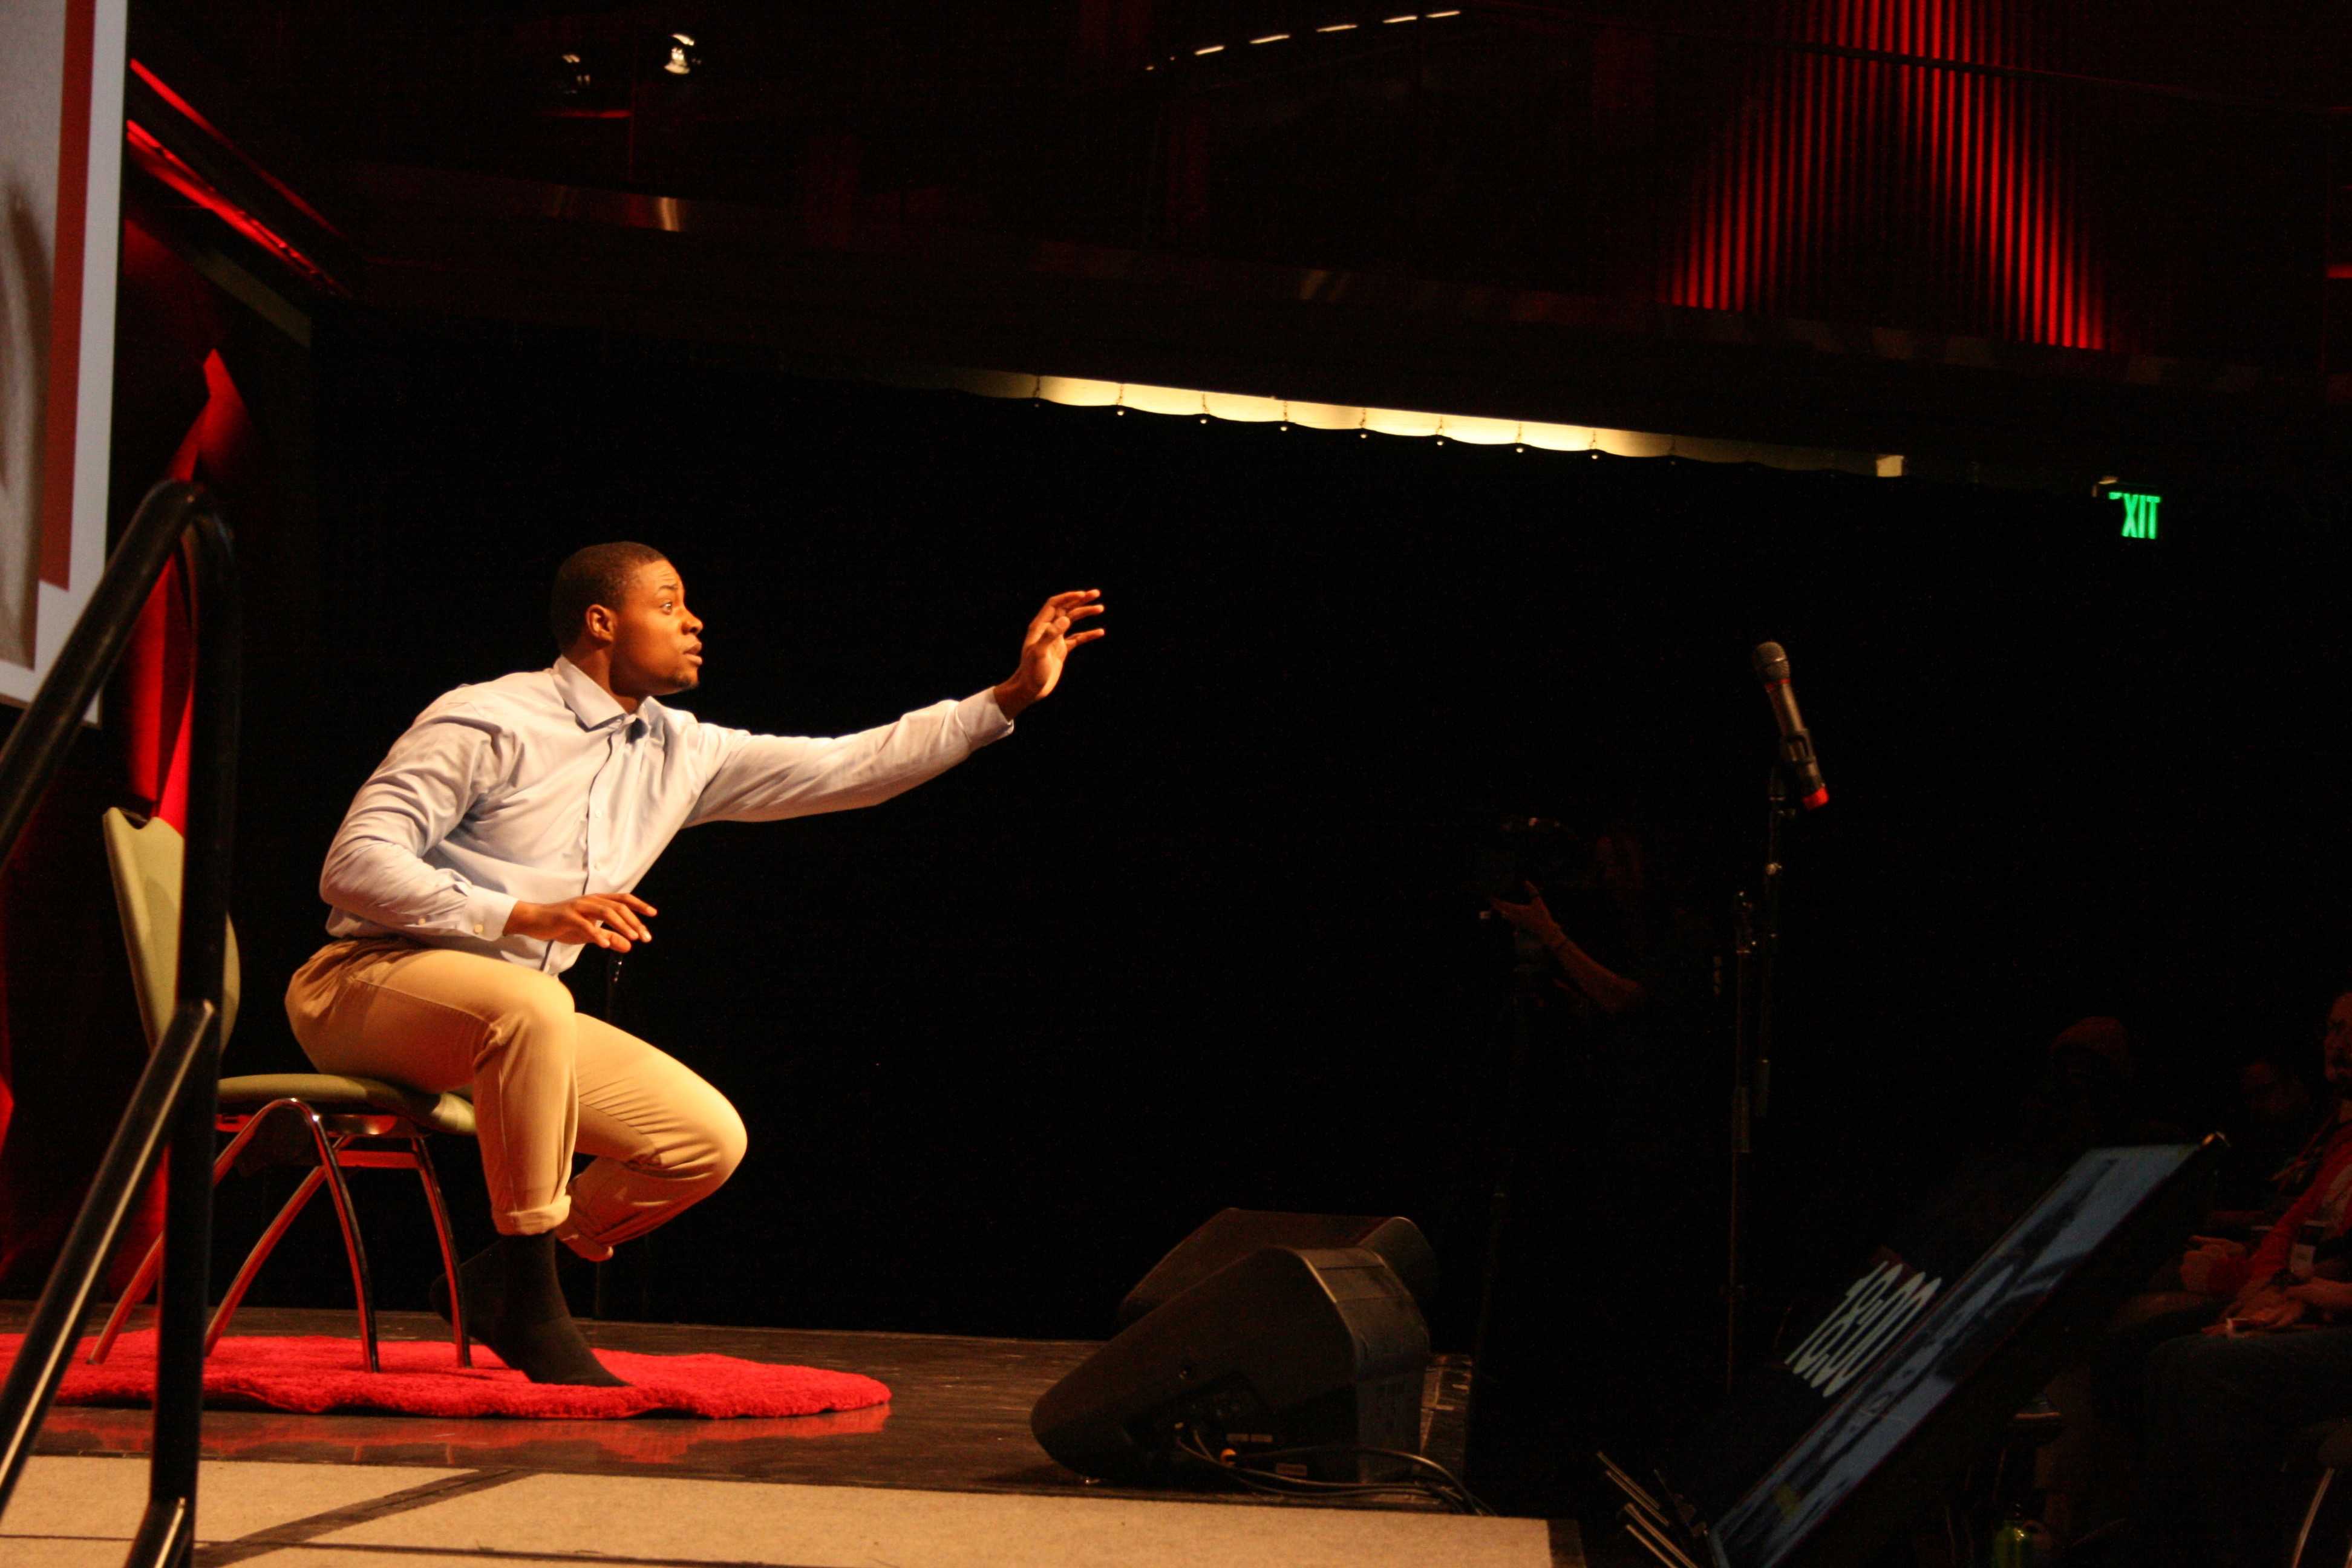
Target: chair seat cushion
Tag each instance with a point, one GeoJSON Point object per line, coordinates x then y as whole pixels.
{"type": "Point", "coordinates": [452, 1114]}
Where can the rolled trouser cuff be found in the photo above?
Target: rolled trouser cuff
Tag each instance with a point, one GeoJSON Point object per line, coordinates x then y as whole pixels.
{"type": "Point", "coordinates": [573, 1235]}
{"type": "Point", "coordinates": [532, 1221]}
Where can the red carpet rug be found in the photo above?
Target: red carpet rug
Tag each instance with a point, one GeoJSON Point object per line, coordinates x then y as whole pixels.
{"type": "Point", "coordinates": [422, 1377]}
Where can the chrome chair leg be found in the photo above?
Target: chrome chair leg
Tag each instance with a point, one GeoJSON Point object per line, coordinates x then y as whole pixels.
{"type": "Point", "coordinates": [260, 1254]}
{"type": "Point", "coordinates": [432, 1180]}
{"type": "Point", "coordinates": [152, 1264]}
{"type": "Point", "coordinates": [350, 1220]}
{"type": "Point", "coordinates": [2310, 1517]}
{"type": "Point", "coordinates": [327, 1172]}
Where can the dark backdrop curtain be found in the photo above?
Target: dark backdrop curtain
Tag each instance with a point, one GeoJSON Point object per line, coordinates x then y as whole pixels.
{"type": "Point", "coordinates": [1204, 932]}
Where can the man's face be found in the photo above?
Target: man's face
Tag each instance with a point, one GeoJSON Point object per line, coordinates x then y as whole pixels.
{"type": "Point", "coordinates": [2337, 1045]}
{"type": "Point", "coordinates": [657, 640]}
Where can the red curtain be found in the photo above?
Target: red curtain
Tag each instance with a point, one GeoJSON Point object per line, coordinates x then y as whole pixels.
{"type": "Point", "coordinates": [157, 670]}
{"type": "Point", "coordinates": [151, 704]}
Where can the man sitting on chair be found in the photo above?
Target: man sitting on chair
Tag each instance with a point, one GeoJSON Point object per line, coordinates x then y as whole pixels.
{"type": "Point", "coordinates": [508, 829]}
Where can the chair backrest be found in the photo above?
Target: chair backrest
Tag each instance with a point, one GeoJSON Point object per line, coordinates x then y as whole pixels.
{"type": "Point", "coordinates": [146, 857]}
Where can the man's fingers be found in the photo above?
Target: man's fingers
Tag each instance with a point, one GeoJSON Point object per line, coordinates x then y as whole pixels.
{"type": "Point", "coordinates": [1062, 609]}
{"type": "Point", "coordinates": [1077, 637]}
{"type": "Point", "coordinates": [636, 903]}
{"type": "Point", "coordinates": [610, 908]}
{"type": "Point", "coordinates": [597, 935]}
{"type": "Point", "coordinates": [603, 935]}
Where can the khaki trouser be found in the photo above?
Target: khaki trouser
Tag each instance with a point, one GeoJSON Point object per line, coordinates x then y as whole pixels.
{"type": "Point", "coordinates": [547, 1080]}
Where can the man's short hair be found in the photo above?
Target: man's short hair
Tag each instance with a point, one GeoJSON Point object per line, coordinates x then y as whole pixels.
{"type": "Point", "coordinates": [598, 574]}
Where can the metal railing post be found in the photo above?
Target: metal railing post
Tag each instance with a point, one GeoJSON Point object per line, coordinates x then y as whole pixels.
{"type": "Point", "coordinates": [168, 1531]}
{"type": "Point", "coordinates": [175, 1097]}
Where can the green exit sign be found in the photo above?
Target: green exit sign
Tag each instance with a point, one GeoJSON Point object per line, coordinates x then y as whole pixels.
{"type": "Point", "coordinates": [2139, 512]}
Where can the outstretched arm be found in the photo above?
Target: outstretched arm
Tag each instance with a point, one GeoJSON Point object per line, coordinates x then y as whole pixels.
{"type": "Point", "coordinates": [761, 778]}
{"type": "Point", "coordinates": [1046, 648]}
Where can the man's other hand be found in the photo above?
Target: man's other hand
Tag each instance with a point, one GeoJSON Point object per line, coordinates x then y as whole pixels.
{"type": "Point", "coordinates": [614, 921]}
{"type": "Point", "coordinates": [1046, 646]}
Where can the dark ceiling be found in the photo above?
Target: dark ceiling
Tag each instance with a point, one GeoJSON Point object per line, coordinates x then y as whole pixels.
{"type": "Point", "coordinates": [1718, 212]}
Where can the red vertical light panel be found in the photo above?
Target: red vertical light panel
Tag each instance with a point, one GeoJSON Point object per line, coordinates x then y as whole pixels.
{"type": "Point", "coordinates": [1958, 186]}
{"type": "Point", "coordinates": [2004, 128]}
{"type": "Point", "coordinates": [1853, 188]}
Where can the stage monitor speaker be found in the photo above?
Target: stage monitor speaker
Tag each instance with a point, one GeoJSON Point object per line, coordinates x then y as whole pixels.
{"type": "Point", "coordinates": [1823, 1456]}
{"type": "Point", "coordinates": [1287, 1348]}
{"type": "Point", "coordinates": [1235, 1232]}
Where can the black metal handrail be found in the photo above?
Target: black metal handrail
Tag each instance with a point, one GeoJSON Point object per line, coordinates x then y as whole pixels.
{"type": "Point", "coordinates": [175, 1098]}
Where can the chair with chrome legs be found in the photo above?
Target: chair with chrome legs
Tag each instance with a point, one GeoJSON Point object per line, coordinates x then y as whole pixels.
{"type": "Point", "coordinates": [344, 1124]}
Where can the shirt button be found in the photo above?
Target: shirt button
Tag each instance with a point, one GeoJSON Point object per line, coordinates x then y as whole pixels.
{"type": "Point", "coordinates": [478, 928]}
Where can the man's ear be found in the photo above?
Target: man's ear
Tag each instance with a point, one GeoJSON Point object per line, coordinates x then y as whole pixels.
{"type": "Point", "coordinates": [599, 625]}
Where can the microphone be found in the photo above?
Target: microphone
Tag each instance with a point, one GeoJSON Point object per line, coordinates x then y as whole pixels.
{"type": "Point", "coordinates": [1796, 745]}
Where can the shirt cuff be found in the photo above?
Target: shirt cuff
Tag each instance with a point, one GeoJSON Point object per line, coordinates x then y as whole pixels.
{"type": "Point", "coordinates": [982, 718]}
{"type": "Point", "coordinates": [486, 913]}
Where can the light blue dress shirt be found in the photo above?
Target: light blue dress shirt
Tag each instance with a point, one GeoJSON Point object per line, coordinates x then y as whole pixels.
{"type": "Point", "coordinates": [538, 787]}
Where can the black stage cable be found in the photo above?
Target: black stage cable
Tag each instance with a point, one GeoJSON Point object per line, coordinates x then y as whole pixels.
{"type": "Point", "coordinates": [1193, 1447]}
{"type": "Point", "coordinates": [1453, 1495]}
{"type": "Point", "coordinates": [1303, 1491]}
{"type": "Point", "coordinates": [1453, 1482]}
{"type": "Point", "coordinates": [1450, 1492]}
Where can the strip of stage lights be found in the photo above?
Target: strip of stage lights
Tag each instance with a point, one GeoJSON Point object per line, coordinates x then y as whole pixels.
{"type": "Point", "coordinates": [1205, 51]}
{"type": "Point", "coordinates": [1473, 430]}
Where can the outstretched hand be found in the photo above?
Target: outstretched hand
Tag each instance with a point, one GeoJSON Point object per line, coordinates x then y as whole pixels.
{"type": "Point", "coordinates": [1046, 646]}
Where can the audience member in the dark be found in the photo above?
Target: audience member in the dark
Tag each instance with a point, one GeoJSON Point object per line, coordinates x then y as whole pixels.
{"type": "Point", "coordinates": [2086, 1469]}
{"type": "Point", "coordinates": [1616, 1122]}
{"type": "Point", "coordinates": [2087, 1096]}
{"type": "Point", "coordinates": [2221, 1407]}
{"type": "Point", "coordinates": [1588, 985]}
{"type": "Point", "coordinates": [2267, 1164]}
{"type": "Point", "coordinates": [2219, 1267]}
{"type": "Point", "coordinates": [2090, 1094]}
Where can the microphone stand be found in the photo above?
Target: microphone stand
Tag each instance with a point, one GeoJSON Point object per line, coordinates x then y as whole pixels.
{"type": "Point", "coordinates": [1525, 971]}
{"type": "Point", "coordinates": [1755, 947]}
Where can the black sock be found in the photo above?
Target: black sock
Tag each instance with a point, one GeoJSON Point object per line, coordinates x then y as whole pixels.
{"type": "Point", "coordinates": [515, 1306]}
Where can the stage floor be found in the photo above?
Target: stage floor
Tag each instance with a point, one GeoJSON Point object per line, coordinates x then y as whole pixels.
{"type": "Point", "coordinates": [946, 1473]}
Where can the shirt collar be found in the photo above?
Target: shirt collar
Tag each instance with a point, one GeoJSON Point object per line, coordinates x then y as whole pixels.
{"type": "Point", "coordinates": [595, 707]}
